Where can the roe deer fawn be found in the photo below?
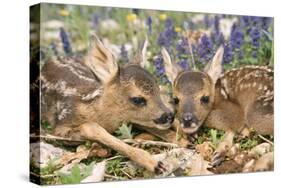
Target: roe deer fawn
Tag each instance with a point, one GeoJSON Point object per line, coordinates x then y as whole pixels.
{"type": "Point", "coordinates": [89, 97]}
{"type": "Point", "coordinates": [231, 101]}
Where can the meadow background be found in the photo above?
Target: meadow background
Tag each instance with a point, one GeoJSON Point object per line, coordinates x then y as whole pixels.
{"type": "Point", "coordinates": [190, 38]}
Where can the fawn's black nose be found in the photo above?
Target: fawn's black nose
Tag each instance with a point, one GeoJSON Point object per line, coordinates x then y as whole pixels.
{"type": "Point", "coordinates": [165, 118]}
{"type": "Point", "coordinates": [188, 119]}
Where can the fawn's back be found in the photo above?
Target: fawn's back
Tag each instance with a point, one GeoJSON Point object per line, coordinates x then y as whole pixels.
{"type": "Point", "coordinates": [64, 83]}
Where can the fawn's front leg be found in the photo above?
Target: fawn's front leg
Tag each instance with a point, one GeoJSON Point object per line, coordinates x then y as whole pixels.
{"type": "Point", "coordinates": [222, 148]}
{"type": "Point", "coordinates": [93, 131]}
{"type": "Point", "coordinates": [228, 117]}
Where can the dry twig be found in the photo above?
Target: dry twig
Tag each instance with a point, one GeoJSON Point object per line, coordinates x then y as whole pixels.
{"type": "Point", "coordinates": [150, 142]}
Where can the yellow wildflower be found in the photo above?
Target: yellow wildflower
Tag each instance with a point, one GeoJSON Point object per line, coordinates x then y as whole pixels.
{"type": "Point", "coordinates": [163, 17]}
{"type": "Point", "coordinates": [131, 17]}
{"type": "Point", "coordinates": [64, 12]}
{"type": "Point", "coordinates": [178, 29]}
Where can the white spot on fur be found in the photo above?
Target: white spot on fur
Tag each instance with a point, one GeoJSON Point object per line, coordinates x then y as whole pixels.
{"type": "Point", "coordinates": [74, 71]}
{"type": "Point", "coordinates": [92, 95]}
{"type": "Point", "coordinates": [63, 110]}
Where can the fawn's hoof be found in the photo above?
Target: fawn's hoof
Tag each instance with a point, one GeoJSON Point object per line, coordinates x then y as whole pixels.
{"type": "Point", "coordinates": [160, 168]}
{"type": "Point", "coordinates": [217, 159]}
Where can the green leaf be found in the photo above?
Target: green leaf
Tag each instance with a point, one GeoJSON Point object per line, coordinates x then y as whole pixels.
{"type": "Point", "coordinates": [125, 131]}
{"type": "Point", "coordinates": [213, 134]}
{"type": "Point", "coordinates": [75, 173]}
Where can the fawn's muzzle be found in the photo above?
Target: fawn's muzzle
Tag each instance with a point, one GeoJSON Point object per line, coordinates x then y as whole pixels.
{"type": "Point", "coordinates": [189, 120]}
{"type": "Point", "coordinates": [166, 118]}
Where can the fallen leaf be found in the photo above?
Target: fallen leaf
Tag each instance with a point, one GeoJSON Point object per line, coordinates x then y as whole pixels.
{"type": "Point", "coordinates": [179, 159]}
{"type": "Point", "coordinates": [97, 174]}
{"type": "Point", "coordinates": [199, 166]}
{"type": "Point", "coordinates": [260, 149]}
{"type": "Point", "coordinates": [205, 149]}
{"type": "Point", "coordinates": [42, 153]}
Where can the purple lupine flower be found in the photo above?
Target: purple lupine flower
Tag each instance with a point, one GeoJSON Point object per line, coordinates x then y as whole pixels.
{"type": "Point", "coordinates": [245, 20]}
{"type": "Point", "coordinates": [265, 22]}
{"type": "Point", "coordinates": [124, 54]}
{"type": "Point", "coordinates": [236, 37]}
{"type": "Point", "coordinates": [217, 24]}
{"type": "Point", "coordinates": [182, 46]}
{"type": "Point", "coordinates": [205, 49]}
{"type": "Point", "coordinates": [255, 36]}
{"type": "Point", "coordinates": [206, 42]}
{"type": "Point", "coordinates": [149, 24]}
{"type": "Point", "coordinates": [217, 35]}
{"type": "Point", "coordinates": [183, 63]}
{"type": "Point", "coordinates": [160, 71]}
{"type": "Point", "coordinates": [169, 29]}
{"type": "Point", "coordinates": [158, 62]}
{"type": "Point", "coordinates": [228, 53]}
{"type": "Point", "coordinates": [163, 40]}
{"type": "Point", "coordinates": [166, 37]}
{"type": "Point", "coordinates": [182, 50]}
{"type": "Point", "coordinates": [65, 41]}
{"type": "Point", "coordinates": [255, 21]}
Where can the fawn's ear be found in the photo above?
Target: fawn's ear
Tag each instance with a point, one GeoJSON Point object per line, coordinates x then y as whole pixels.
{"type": "Point", "coordinates": [214, 68]}
{"type": "Point", "coordinates": [172, 70]}
{"type": "Point", "coordinates": [140, 57]}
{"type": "Point", "coordinates": [101, 61]}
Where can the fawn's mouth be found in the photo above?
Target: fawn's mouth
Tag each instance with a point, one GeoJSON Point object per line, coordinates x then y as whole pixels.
{"type": "Point", "coordinates": [191, 128]}
{"type": "Point", "coordinates": [151, 124]}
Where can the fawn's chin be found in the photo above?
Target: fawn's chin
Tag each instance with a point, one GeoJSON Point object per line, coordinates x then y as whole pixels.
{"type": "Point", "coordinates": [163, 126]}
{"type": "Point", "coordinates": [190, 130]}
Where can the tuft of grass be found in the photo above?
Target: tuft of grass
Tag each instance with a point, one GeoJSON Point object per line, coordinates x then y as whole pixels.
{"type": "Point", "coordinates": [248, 144]}
{"type": "Point", "coordinates": [76, 175]}
{"type": "Point", "coordinates": [216, 136]}
{"type": "Point", "coordinates": [114, 167]}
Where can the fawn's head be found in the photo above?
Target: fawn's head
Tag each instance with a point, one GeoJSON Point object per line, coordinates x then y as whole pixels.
{"type": "Point", "coordinates": [193, 91]}
{"type": "Point", "coordinates": [130, 92]}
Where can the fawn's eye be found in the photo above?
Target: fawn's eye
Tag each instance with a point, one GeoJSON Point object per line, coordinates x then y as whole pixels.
{"type": "Point", "coordinates": [176, 100]}
{"type": "Point", "coordinates": [205, 99]}
{"type": "Point", "coordinates": [138, 101]}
